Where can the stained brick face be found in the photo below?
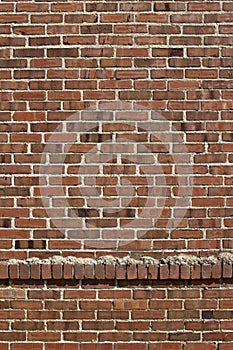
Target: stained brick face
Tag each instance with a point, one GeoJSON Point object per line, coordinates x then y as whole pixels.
{"type": "Point", "coordinates": [173, 58]}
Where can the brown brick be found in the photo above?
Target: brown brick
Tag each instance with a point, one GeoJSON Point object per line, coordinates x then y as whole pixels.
{"type": "Point", "coordinates": [24, 271]}
{"type": "Point", "coordinates": [163, 272]}
{"type": "Point", "coordinates": [99, 271]}
{"type": "Point", "coordinates": [142, 272]}
{"type": "Point", "coordinates": [4, 270]}
{"type": "Point", "coordinates": [110, 271]}
{"type": "Point", "coordinates": [120, 272]}
{"type": "Point", "coordinates": [217, 271]}
{"type": "Point", "coordinates": [57, 271]}
{"type": "Point", "coordinates": [134, 95]}
{"type": "Point", "coordinates": [35, 271]}
{"type": "Point", "coordinates": [174, 271]}
{"type": "Point", "coordinates": [227, 270]}
{"type": "Point", "coordinates": [79, 271]}
{"type": "Point", "coordinates": [132, 272]}
{"type": "Point", "coordinates": [28, 346]}
{"type": "Point", "coordinates": [89, 271]}
{"type": "Point", "coordinates": [63, 52]}
{"type": "Point", "coordinates": [206, 271]}
{"type": "Point", "coordinates": [96, 29]}
{"type": "Point", "coordinates": [153, 271]}
{"type": "Point", "coordinates": [14, 271]}
{"type": "Point", "coordinates": [68, 271]}
{"type": "Point", "coordinates": [46, 271]}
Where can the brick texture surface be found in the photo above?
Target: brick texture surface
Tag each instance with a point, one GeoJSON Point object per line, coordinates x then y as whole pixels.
{"type": "Point", "coordinates": [101, 311]}
{"type": "Point", "coordinates": [57, 58]}
{"type": "Point", "coordinates": [173, 58]}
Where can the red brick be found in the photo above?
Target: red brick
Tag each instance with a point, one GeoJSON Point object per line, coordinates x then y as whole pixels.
{"type": "Point", "coordinates": [4, 271]}
{"type": "Point", "coordinates": [165, 346]}
{"type": "Point", "coordinates": [79, 294]}
{"type": "Point", "coordinates": [217, 271]}
{"type": "Point", "coordinates": [89, 271]}
{"type": "Point", "coordinates": [142, 272]}
{"type": "Point", "coordinates": [30, 305]}
{"type": "Point", "coordinates": [12, 293]}
{"type": "Point", "coordinates": [35, 271]}
{"type": "Point", "coordinates": [99, 271]}
{"type": "Point", "coordinates": [14, 271]}
{"type": "Point", "coordinates": [110, 271]}
{"type": "Point", "coordinates": [40, 336]}
{"type": "Point", "coordinates": [165, 304]}
{"type": "Point", "coordinates": [46, 271]}
{"type": "Point", "coordinates": [62, 346]}
{"type": "Point", "coordinates": [163, 272]}
{"type": "Point", "coordinates": [26, 346]}
{"type": "Point", "coordinates": [24, 271]}
{"type": "Point", "coordinates": [225, 346]}
{"type": "Point", "coordinates": [192, 346]}
{"type": "Point", "coordinates": [174, 271]}
{"type": "Point", "coordinates": [68, 271]}
{"type": "Point", "coordinates": [127, 346]}
{"type": "Point", "coordinates": [153, 271]}
{"type": "Point", "coordinates": [206, 271]}
{"type": "Point", "coordinates": [132, 272]}
{"type": "Point", "coordinates": [13, 18]}
{"type": "Point", "coordinates": [227, 270]}
{"type": "Point", "coordinates": [57, 270]}
{"type": "Point", "coordinates": [79, 271]}
{"type": "Point", "coordinates": [120, 272]}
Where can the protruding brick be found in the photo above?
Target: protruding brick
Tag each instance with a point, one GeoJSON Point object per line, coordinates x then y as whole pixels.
{"type": "Point", "coordinates": [206, 271]}
{"type": "Point", "coordinates": [89, 271]}
{"type": "Point", "coordinates": [174, 271]}
{"type": "Point", "coordinates": [110, 271]}
{"type": "Point", "coordinates": [132, 272]}
{"type": "Point", "coordinates": [57, 271]}
{"type": "Point", "coordinates": [153, 272]}
{"type": "Point", "coordinates": [14, 271]}
{"type": "Point", "coordinates": [217, 271]}
{"type": "Point", "coordinates": [68, 271]}
{"type": "Point", "coordinates": [185, 272]}
{"type": "Point", "coordinates": [3, 271]}
{"type": "Point", "coordinates": [195, 272]}
{"type": "Point", "coordinates": [227, 270]}
{"type": "Point", "coordinates": [142, 271]}
{"type": "Point", "coordinates": [164, 271]}
{"type": "Point", "coordinates": [46, 271]}
{"type": "Point", "coordinates": [100, 271]}
{"type": "Point", "coordinates": [120, 272]}
{"type": "Point", "coordinates": [79, 271]}
{"type": "Point", "coordinates": [24, 271]}
{"type": "Point", "coordinates": [35, 271]}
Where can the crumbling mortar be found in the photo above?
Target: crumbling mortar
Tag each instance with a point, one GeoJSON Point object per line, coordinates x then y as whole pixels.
{"type": "Point", "coordinates": [181, 259]}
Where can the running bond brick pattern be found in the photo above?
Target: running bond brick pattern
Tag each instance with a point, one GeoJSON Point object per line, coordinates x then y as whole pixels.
{"type": "Point", "coordinates": [112, 307]}
{"type": "Point", "coordinates": [174, 57]}
{"type": "Point", "coordinates": [60, 57]}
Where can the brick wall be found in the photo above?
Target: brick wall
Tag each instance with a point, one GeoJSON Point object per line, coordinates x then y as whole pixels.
{"type": "Point", "coordinates": [174, 58]}
{"type": "Point", "coordinates": [83, 306]}
{"type": "Point", "coordinates": [77, 77]}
